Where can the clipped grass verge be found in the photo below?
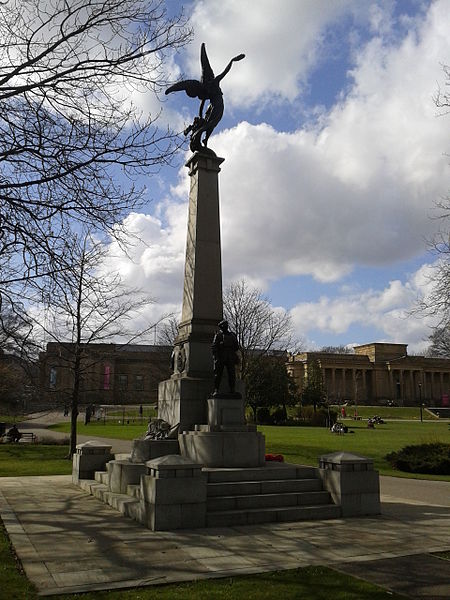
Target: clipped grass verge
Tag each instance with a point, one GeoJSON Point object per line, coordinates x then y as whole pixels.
{"type": "Point", "coordinates": [112, 430]}
{"type": "Point", "coordinates": [12, 579]}
{"type": "Point", "coordinates": [33, 459]}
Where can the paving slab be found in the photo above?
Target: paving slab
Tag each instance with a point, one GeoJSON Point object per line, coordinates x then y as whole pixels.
{"type": "Point", "coordinates": [421, 576]}
{"type": "Point", "coordinates": [68, 541]}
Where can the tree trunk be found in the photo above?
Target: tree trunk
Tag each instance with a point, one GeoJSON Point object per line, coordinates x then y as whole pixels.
{"type": "Point", "coordinates": [74, 403]}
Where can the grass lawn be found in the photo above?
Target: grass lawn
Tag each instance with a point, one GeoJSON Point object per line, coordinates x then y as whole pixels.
{"type": "Point", "coordinates": [305, 444]}
{"type": "Point", "coordinates": [33, 459]}
{"type": "Point", "coordinates": [111, 429]}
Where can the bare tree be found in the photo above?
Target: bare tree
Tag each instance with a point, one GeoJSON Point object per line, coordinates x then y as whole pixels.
{"type": "Point", "coordinates": [440, 343]}
{"type": "Point", "coordinates": [168, 331]}
{"type": "Point", "coordinates": [67, 72]}
{"type": "Point", "coordinates": [338, 349]}
{"type": "Point", "coordinates": [84, 305]}
{"type": "Point", "coordinates": [260, 328]}
{"type": "Point", "coordinates": [437, 302]}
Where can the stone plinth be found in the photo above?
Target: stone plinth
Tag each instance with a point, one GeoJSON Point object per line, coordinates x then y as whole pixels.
{"type": "Point", "coordinates": [183, 400]}
{"type": "Point", "coordinates": [144, 450]}
{"type": "Point", "coordinates": [226, 413]}
{"type": "Point", "coordinates": [174, 494]}
{"type": "Point", "coordinates": [90, 457]}
{"type": "Point", "coordinates": [352, 482]}
{"type": "Point", "coordinates": [223, 449]}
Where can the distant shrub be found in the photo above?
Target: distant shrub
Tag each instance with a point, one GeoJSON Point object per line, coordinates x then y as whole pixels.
{"type": "Point", "coordinates": [278, 415]}
{"type": "Point", "coordinates": [263, 416]}
{"type": "Point", "coordinates": [320, 418]}
{"type": "Point", "coordinates": [433, 459]}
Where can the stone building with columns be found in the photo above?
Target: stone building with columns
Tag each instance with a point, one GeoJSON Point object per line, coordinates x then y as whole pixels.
{"type": "Point", "coordinates": [377, 373]}
{"type": "Point", "coordinates": [110, 373]}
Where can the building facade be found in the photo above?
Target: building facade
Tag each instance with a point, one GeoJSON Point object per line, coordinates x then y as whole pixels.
{"type": "Point", "coordinates": [110, 373]}
{"type": "Point", "coordinates": [377, 373]}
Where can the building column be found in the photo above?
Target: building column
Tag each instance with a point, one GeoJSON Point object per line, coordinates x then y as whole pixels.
{"type": "Point", "coordinates": [364, 385]}
{"type": "Point", "coordinates": [333, 382]}
{"type": "Point", "coordinates": [411, 386]}
{"type": "Point", "coordinates": [354, 391]}
{"type": "Point", "coordinates": [391, 384]}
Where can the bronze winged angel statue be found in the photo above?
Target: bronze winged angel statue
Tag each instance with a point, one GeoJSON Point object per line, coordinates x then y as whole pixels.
{"type": "Point", "coordinates": [206, 89]}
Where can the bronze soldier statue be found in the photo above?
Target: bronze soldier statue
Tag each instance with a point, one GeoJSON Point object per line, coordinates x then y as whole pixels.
{"type": "Point", "coordinates": [225, 347]}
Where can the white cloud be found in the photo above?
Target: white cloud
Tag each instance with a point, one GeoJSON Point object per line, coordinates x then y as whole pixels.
{"type": "Point", "coordinates": [281, 41]}
{"type": "Point", "coordinates": [388, 310]}
{"type": "Point", "coordinates": [355, 189]}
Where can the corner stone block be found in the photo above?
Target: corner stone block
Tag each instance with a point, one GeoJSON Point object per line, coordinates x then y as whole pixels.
{"type": "Point", "coordinates": [174, 494]}
{"type": "Point", "coordinates": [172, 490]}
{"type": "Point", "coordinates": [352, 483]}
{"type": "Point", "coordinates": [90, 457]}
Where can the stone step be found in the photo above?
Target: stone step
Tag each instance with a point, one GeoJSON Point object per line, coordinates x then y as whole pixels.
{"type": "Point", "coordinates": [274, 471]}
{"type": "Point", "coordinates": [271, 486]}
{"type": "Point", "coordinates": [125, 504]}
{"type": "Point", "coordinates": [101, 476]}
{"type": "Point", "coordinates": [122, 456]}
{"type": "Point", "coordinates": [134, 490]}
{"type": "Point", "coordinates": [227, 503]}
{"type": "Point", "coordinates": [233, 518]}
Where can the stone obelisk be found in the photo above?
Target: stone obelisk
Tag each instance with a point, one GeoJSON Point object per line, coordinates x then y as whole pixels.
{"type": "Point", "coordinates": [183, 398]}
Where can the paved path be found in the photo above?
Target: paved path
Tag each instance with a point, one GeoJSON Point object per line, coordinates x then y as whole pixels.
{"type": "Point", "coordinates": [68, 541]}
{"type": "Point", "coordinates": [39, 422]}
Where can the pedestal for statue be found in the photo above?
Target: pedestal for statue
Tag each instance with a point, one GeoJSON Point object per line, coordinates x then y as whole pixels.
{"type": "Point", "coordinates": [225, 441]}
{"type": "Point", "coordinates": [182, 398]}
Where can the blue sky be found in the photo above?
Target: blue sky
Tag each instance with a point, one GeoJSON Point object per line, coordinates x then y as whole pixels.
{"type": "Point", "coordinates": [334, 156]}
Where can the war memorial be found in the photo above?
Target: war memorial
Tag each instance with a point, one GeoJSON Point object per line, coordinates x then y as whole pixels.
{"type": "Point", "coordinates": [200, 464]}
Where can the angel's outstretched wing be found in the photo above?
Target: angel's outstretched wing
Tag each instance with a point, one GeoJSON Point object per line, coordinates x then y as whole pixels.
{"type": "Point", "coordinates": [192, 87]}
{"type": "Point", "coordinates": [207, 72]}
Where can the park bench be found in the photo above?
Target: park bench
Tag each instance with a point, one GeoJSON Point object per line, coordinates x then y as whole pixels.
{"type": "Point", "coordinates": [28, 437]}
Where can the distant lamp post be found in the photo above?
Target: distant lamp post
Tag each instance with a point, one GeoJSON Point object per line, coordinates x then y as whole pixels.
{"type": "Point", "coordinates": [420, 401]}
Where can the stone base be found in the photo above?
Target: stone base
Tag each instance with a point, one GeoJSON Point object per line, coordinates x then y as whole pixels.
{"type": "Point", "coordinates": [90, 457]}
{"type": "Point", "coordinates": [144, 450]}
{"type": "Point", "coordinates": [173, 495]}
{"type": "Point", "coordinates": [183, 400]}
{"type": "Point", "coordinates": [225, 449]}
{"type": "Point", "coordinates": [226, 413]}
{"type": "Point", "coordinates": [352, 483]}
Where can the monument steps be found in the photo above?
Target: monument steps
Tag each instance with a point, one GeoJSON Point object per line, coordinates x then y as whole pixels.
{"type": "Point", "coordinates": [272, 493]}
{"type": "Point", "coordinates": [270, 471]}
{"type": "Point", "coordinates": [134, 490]}
{"type": "Point", "coordinates": [235, 488]}
{"type": "Point", "coordinates": [277, 500]}
{"type": "Point", "coordinates": [232, 518]}
{"type": "Point", "coordinates": [124, 503]}
{"type": "Point", "coordinates": [101, 477]}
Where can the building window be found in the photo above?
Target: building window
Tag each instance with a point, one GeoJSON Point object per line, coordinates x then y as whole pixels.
{"type": "Point", "coordinates": [123, 382]}
{"type": "Point", "coordinates": [52, 377]}
{"type": "Point", "coordinates": [107, 377]}
{"type": "Point", "coordinates": [139, 383]}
